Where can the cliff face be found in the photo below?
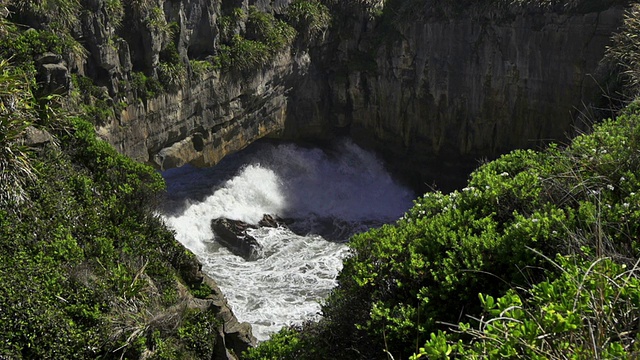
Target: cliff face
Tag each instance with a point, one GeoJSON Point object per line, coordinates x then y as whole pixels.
{"type": "Point", "coordinates": [203, 116]}
{"type": "Point", "coordinates": [443, 90]}
{"type": "Point", "coordinates": [201, 124]}
{"type": "Point", "coordinates": [439, 88]}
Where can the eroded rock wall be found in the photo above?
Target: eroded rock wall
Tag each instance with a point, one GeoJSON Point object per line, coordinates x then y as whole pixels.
{"type": "Point", "coordinates": [438, 91]}
{"type": "Point", "coordinates": [206, 116]}
{"type": "Point", "coordinates": [216, 116]}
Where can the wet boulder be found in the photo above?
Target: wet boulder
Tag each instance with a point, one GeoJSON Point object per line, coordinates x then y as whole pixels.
{"type": "Point", "coordinates": [232, 234]}
{"type": "Point", "coordinates": [273, 221]}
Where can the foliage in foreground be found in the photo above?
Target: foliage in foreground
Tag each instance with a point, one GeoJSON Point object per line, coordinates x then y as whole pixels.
{"type": "Point", "coordinates": [87, 270]}
{"type": "Point", "coordinates": [589, 312]}
{"type": "Point", "coordinates": [406, 282]}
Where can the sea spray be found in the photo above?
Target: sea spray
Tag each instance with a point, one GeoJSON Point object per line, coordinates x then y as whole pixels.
{"type": "Point", "coordinates": [329, 194]}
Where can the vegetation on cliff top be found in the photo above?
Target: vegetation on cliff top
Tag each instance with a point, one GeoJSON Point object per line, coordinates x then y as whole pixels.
{"type": "Point", "coordinates": [263, 38]}
{"type": "Point", "coordinates": [252, 40]}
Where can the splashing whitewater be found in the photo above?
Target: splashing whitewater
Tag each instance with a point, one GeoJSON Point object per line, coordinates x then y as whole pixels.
{"type": "Point", "coordinates": [330, 194]}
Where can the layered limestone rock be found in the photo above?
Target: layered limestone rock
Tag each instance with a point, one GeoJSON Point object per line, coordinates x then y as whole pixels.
{"type": "Point", "coordinates": [202, 117]}
{"type": "Point", "coordinates": [439, 90]}
{"type": "Point", "coordinates": [216, 116]}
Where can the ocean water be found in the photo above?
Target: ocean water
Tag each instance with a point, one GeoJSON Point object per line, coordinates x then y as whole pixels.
{"type": "Point", "coordinates": [329, 194]}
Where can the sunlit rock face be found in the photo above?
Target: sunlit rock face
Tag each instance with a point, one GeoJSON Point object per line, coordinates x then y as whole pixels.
{"type": "Point", "coordinates": [218, 115]}
{"type": "Point", "coordinates": [208, 115]}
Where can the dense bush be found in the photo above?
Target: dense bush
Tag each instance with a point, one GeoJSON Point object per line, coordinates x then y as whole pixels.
{"type": "Point", "coordinates": [231, 24]}
{"type": "Point", "coordinates": [59, 15]}
{"type": "Point", "coordinates": [88, 270]}
{"type": "Point", "coordinates": [264, 37]}
{"type": "Point", "coordinates": [115, 11]}
{"type": "Point", "coordinates": [145, 87]}
{"type": "Point", "coordinates": [172, 71]}
{"type": "Point", "coordinates": [407, 281]}
{"type": "Point", "coordinates": [93, 100]}
{"type": "Point", "coordinates": [200, 68]}
{"type": "Point", "coordinates": [23, 47]}
{"type": "Point", "coordinates": [309, 18]}
{"type": "Point", "coordinates": [588, 312]}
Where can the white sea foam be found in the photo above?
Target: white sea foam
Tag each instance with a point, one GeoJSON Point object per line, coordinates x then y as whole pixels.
{"type": "Point", "coordinates": [330, 194]}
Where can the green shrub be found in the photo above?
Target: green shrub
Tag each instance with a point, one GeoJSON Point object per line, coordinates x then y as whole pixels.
{"type": "Point", "coordinates": [265, 37]}
{"type": "Point", "coordinates": [155, 20]}
{"type": "Point", "coordinates": [200, 67]}
{"type": "Point", "coordinates": [86, 87]}
{"type": "Point", "coordinates": [94, 101]}
{"type": "Point", "coordinates": [145, 87]}
{"type": "Point", "coordinates": [100, 113]}
{"type": "Point", "coordinates": [115, 11]}
{"type": "Point", "coordinates": [32, 43]}
{"type": "Point", "coordinates": [404, 282]}
{"type": "Point", "coordinates": [264, 27]}
{"type": "Point", "coordinates": [283, 345]}
{"type": "Point", "coordinates": [199, 333]}
{"type": "Point", "coordinates": [60, 15]}
{"type": "Point", "coordinates": [201, 291]}
{"type": "Point", "coordinates": [229, 25]}
{"type": "Point", "coordinates": [588, 312]}
{"type": "Point", "coordinates": [172, 72]}
{"type": "Point", "coordinates": [243, 54]}
{"type": "Point", "coordinates": [171, 76]}
{"type": "Point", "coordinates": [309, 18]}
{"type": "Point", "coordinates": [24, 47]}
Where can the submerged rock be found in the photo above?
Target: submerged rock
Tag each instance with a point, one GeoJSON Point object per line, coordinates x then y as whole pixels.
{"type": "Point", "coordinates": [233, 235]}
